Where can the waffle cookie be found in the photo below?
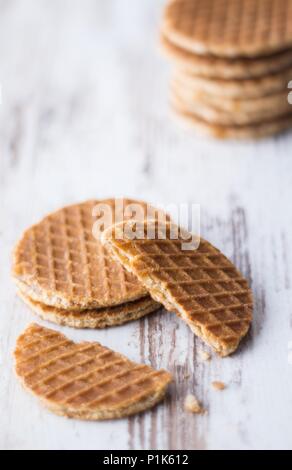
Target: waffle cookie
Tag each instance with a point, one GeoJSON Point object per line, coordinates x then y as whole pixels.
{"type": "Point", "coordinates": [230, 51]}
{"type": "Point", "coordinates": [60, 263]}
{"type": "Point", "coordinates": [211, 66]}
{"type": "Point", "coordinates": [229, 28]}
{"type": "Point", "coordinates": [252, 131]}
{"type": "Point", "coordinates": [250, 88]}
{"type": "Point", "coordinates": [84, 380]}
{"type": "Point", "coordinates": [202, 286]}
{"type": "Point", "coordinates": [216, 115]}
{"type": "Point", "coordinates": [266, 105]}
{"type": "Point", "coordinates": [93, 318]}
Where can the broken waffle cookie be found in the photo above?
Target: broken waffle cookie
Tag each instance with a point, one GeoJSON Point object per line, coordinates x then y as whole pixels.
{"type": "Point", "coordinates": [201, 285]}
{"type": "Point", "coordinates": [84, 380]}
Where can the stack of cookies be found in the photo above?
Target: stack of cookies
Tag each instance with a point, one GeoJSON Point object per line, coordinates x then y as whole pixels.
{"type": "Point", "coordinates": [233, 65]}
{"type": "Point", "coordinates": [67, 276]}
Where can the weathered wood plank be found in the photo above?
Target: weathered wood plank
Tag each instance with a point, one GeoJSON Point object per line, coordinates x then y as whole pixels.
{"type": "Point", "coordinates": [84, 115]}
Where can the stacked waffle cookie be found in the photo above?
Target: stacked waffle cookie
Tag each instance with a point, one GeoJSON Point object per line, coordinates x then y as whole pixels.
{"type": "Point", "coordinates": [67, 276]}
{"type": "Point", "coordinates": [232, 65]}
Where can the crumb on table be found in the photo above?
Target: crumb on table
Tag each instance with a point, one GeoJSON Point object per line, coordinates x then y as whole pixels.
{"type": "Point", "coordinates": [204, 355]}
{"type": "Point", "coordinates": [217, 385]}
{"type": "Point", "coordinates": [193, 405]}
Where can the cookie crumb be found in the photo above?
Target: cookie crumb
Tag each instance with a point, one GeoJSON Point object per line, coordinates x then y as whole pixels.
{"type": "Point", "coordinates": [217, 385]}
{"type": "Point", "coordinates": [193, 405]}
{"type": "Point", "coordinates": [204, 355]}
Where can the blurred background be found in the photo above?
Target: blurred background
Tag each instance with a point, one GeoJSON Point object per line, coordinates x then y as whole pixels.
{"type": "Point", "coordinates": [85, 114]}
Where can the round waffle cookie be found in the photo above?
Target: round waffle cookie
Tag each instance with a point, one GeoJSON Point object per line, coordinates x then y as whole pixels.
{"type": "Point", "coordinates": [249, 88]}
{"type": "Point", "coordinates": [229, 28]}
{"type": "Point", "coordinates": [84, 380]}
{"type": "Point", "coordinates": [211, 66]}
{"type": "Point", "coordinates": [94, 318]}
{"type": "Point", "coordinates": [201, 285]}
{"type": "Point", "coordinates": [60, 263]}
{"type": "Point", "coordinates": [267, 104]}
{"type": "Point", "coordinates": [253, 131]}
{"type": "Point", "coordinates": [216, 115]}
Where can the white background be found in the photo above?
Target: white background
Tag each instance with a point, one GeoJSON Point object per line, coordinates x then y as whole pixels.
{"type": "Point", "coordinates": [85, 114]}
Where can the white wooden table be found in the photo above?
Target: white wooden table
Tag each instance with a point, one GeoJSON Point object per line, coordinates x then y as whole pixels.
{"type": "Point", "coordinates": [84, 114]}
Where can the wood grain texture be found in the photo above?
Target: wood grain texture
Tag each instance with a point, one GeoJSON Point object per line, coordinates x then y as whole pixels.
{"type": "Point", "coordinates": [85, 114]}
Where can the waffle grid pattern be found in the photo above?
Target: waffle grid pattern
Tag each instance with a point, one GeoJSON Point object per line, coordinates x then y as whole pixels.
{"type": "Point", "coordinates": [226, 27]}
{"type": "Point", "coordinates": [81, 375]}
{"type": "Point", "coordinates": [202, 285]}
{"type": "Point", "coordinates": [60, 257]}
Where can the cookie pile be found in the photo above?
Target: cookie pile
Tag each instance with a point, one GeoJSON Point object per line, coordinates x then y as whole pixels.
{"type": "Point", "coordinates": [65, 274]}
{"type": "Point", "coordinates": [70, 275]}
{"type": "Point", "coordinates": [232, 65]}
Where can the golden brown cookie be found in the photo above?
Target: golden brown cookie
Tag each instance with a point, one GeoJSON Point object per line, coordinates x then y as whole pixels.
{"type": "Point", "coordinates": [62, 264]}
{"type": "Point", "coordinates": [238, 89]}
{"type": "Point", "coordinates": [213, 114]}
{"type": "Point", "coordinates": [229, 28]}
{"type": "Point", "coordinates": [84, 380]}
{"type": "Point", "coordinates": [201, 285]}
{"type": "Point", "coordinates": [267, 104]}
{"type": "Point", "coordinates": [266, 128]}
{"type": "Point", "coordinates": [211, 66]}
{"type": "Point", "coordinates": [94, 318]}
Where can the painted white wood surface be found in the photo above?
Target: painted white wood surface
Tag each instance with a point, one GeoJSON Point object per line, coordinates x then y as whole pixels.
{"type": "Point", "coordinates": [84, 114]}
